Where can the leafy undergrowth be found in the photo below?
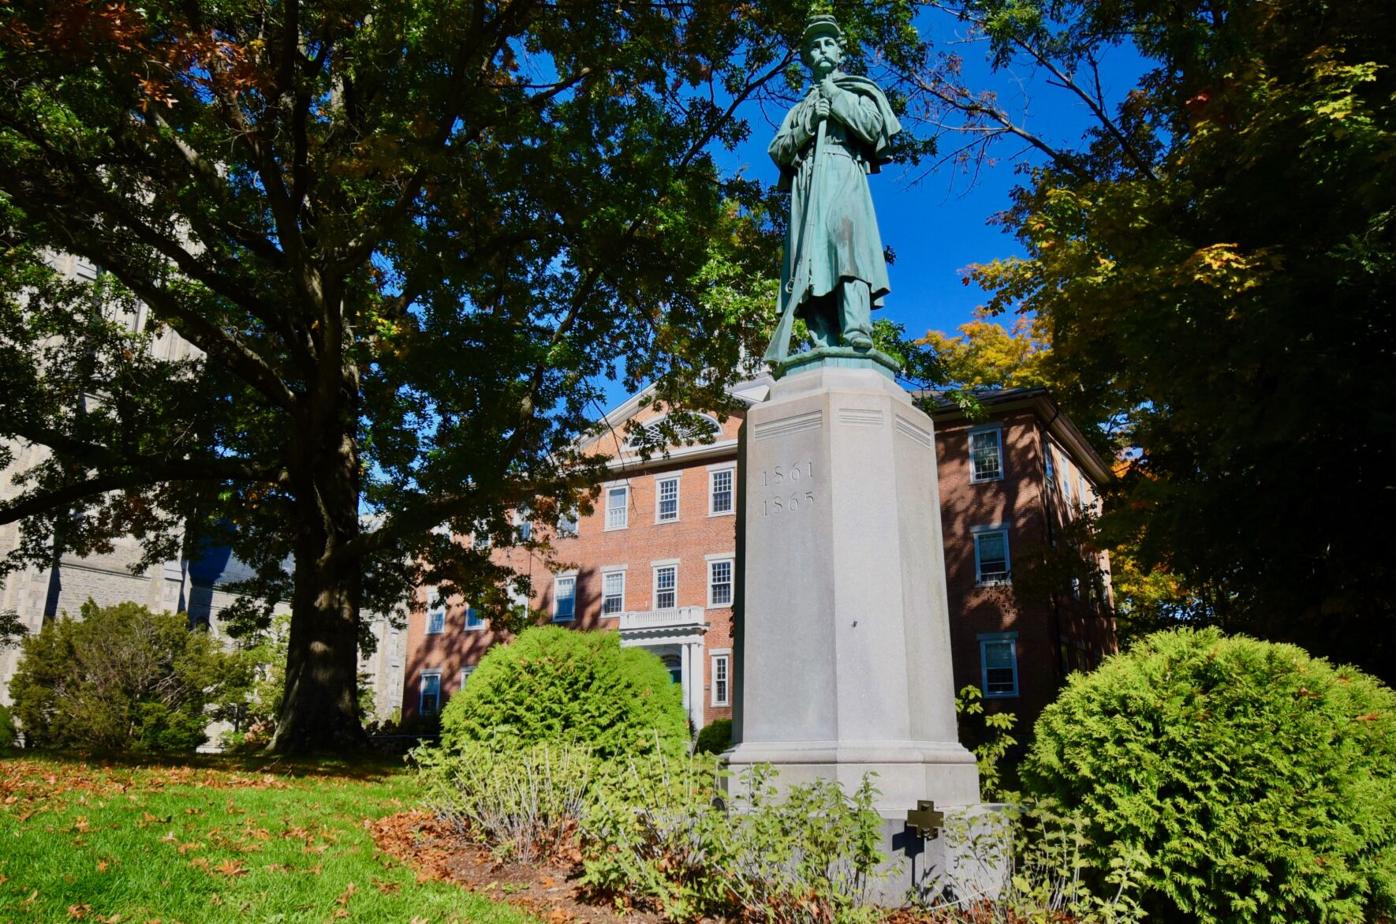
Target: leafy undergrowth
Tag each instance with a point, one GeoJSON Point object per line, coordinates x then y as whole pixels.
{"type": "Point", "coordinates": [212, 841]}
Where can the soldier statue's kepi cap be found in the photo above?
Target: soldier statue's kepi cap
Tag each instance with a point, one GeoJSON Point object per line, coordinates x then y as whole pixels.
{"type": "Point", "coordinates": [822, 24]}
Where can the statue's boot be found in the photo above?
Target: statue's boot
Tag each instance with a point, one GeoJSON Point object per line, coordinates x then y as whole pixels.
{"type": "Point", "coordinates": [855, 314]}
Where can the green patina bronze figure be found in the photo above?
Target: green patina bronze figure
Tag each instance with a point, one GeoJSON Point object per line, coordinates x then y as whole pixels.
{"type": "Point", "coordinates": [833, 273]}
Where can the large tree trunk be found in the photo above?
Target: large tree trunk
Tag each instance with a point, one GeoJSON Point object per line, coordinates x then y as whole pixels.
{"type": "Point", "coordinates": [320, 710]}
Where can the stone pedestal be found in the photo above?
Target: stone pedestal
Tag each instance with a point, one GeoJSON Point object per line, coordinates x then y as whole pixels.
{"type": "Point", "coordinates": [843, 637]}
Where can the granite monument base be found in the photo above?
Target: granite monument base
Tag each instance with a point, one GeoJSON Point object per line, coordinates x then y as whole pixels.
{"type": "Point", "coordinates": [843, 639]}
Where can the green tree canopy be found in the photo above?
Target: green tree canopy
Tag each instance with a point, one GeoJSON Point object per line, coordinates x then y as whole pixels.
{"type": "Point", "coordinates": [410, 241]}
{"type": "Point", "coordinates": [1214, 269]}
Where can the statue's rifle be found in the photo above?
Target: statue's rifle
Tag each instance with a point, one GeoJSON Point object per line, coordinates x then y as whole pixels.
{"type": "Point", "coordinates": [787, 315]}
{"type": "Point", "coordinates": [815, 174]}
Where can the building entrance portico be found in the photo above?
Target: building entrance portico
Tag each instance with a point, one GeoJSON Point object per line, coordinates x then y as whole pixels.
{"type": "Point", "coordinates": [675, 636]}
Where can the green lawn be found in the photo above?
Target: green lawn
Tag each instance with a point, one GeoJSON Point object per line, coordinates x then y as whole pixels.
{"type": "Point", "coordinates": [211, 841]}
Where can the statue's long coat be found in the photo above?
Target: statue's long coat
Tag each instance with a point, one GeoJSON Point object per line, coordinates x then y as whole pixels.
{"type": "Point", "coordinates": [833, 231]}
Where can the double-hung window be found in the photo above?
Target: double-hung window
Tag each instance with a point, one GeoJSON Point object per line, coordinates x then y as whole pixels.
{"type": "Point", "coordinates": [666, 499]}
{"type": "Point", "coordinates": [998, 660]}
{"type": "Point", "coordinates": [436, 616]}
{"type": "Point", "coordinates": [474, 621]}
{"type": "Point", "coordinates": [986, 454]}
{"type": "Point", "coordinates": [617, 507]}
{"type": "Point", "coordinates": [991, 562]}
{"type": "Point", "coordinates": [567, 524]}
{"type": "Point", "coordinates": [612, 592]}
{"type": "Point", "coordinates": [565, 598]}
{"type": "Point", "coordinates": [722, 678]}
{"type": "Point", "coordinates": [666, 587]}
{"type": "Point", "coordinates": [465, 673]}
{"type": "Point", "coordinates": [429, 693]}
{"type": "Point", "coordinates": [720, 580]}
{"type": "Point", "coordinates": [720, 493]}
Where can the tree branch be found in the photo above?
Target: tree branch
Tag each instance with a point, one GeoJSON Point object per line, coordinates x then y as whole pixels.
{"type": "Point", "coordinates": [975, 107]}
{"type": "Point", "coordinates": [142, 473]}
{"type": "Point", "coordinates": [1066, 82]}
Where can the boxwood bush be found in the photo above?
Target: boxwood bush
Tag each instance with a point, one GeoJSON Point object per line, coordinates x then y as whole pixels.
{"type": "Point", "coordinates": [558, 686]}
{"type": "Point", "coordinates": [1258, 781]}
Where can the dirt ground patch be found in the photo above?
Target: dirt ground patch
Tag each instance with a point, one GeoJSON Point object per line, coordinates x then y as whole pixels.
{"type": "Point", "coordinates": [546, 889]}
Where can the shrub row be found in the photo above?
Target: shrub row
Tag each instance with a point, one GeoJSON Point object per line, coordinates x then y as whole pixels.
{"type": "Point", "coordinates": [653, 834]}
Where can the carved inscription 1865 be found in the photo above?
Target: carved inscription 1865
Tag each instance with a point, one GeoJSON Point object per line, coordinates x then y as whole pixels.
{"type": "Point", "coordinates": [787, 488]}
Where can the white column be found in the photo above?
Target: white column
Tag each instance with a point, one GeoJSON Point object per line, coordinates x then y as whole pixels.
{"type": "Point", "coordinates": [686, 675]}
{"type": "Point", "coordinates": [696, 699]}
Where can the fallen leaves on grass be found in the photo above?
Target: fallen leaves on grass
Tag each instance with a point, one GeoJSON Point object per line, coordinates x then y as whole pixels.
{"type": "Point", "coordinates": [31, 782]}
{"type": "Point", "coordinates": [230, 868]}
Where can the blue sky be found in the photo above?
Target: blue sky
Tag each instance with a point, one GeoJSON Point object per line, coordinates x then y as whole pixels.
{"type": "Point", "coordinates": [938, 223]}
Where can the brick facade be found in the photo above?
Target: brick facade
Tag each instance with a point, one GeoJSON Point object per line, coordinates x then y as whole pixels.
{"type": "Point", "coordinates": [1050, 633]}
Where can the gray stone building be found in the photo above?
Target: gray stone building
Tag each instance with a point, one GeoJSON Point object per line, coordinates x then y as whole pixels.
{"type": "Point", "coordinates": [199, 588]}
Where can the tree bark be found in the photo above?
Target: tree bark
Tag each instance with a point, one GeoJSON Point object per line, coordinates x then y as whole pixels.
{"type": "Point", "coordinates": [320, 710]}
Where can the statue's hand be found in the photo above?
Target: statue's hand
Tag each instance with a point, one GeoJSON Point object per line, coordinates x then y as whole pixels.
{"type": "Point", "coordinates": [821, 109]}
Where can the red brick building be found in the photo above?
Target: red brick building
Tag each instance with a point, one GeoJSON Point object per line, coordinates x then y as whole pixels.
{"type": "Point", "coordinates": [656, 561]}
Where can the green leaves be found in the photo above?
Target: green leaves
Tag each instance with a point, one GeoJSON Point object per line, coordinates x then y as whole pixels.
{"type": "Point", "coordinates": [1193, 265]}
{"type": "Point", "coordinates": [558, 686]}
{"type": "Point", "coordinates": [1255, 778]}
{"type": "Point", "coordinates": [123, 679]}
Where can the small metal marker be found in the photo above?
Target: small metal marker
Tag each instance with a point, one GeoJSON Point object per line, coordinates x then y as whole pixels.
{"type": "Point", "coordinates": [924, 819]}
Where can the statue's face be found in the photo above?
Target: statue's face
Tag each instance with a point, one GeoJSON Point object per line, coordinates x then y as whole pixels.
{"type": "Point", "coordinates": [823, 54]}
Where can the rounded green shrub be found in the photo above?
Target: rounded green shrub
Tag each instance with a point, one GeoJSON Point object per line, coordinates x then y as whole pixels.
{"type": "Point", "coordinates": [1251, 781]}
{"type": "Point", "coordinates": [715, 737]}
{"type": "Point", "coordinates": [554, 685]}
{"type": "Point", "coordinates": [8, 733]}
{"type": "Point", "coordinates": [123, 678]}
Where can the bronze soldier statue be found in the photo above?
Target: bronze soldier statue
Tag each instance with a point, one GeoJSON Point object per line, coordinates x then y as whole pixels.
{"type": "Point", "coordinates": [833, 273]}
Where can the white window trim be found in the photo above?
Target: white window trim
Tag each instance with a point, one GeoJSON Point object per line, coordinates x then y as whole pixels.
{"type": "Point", "coordinates": [975, 533]}
{"type": "Point", "coordinates": [523, 523]}
{"type": "Point", "coordinates": [465, 619]}
{"type": "Point", "coordinates": [606, 509]}
{"type": "Point", "coordinates": [557, 579]}
{"type": "Point", "coordinates": [654, 583]}
{"type": "Point", "coordinates": [712, 663]}
{"type": "Point", "coordinates": [445, 610]}
{"type": "Point", "coordinates": [464, 677]}
{"type": "Point", "coordinates": [997, 430]}
{"type": "Point", "coordinates": [576, 517]}
{"type": "Point", "coordinates": [422, 692]}
{"type": "Point", "coordinates": [713, 560]}
{"type": "Point", "coordinates": [660, 480]}
{"type": "Point", "coordinates": [712, 476]}
{"type": "Point", "coordinates": [608, 571]}
{"type": "Point", "coordinates": [984, 639]}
